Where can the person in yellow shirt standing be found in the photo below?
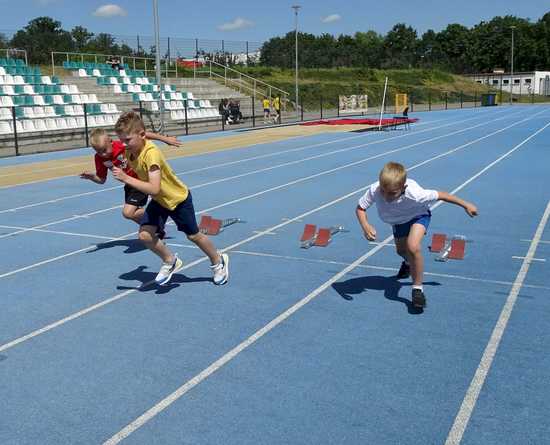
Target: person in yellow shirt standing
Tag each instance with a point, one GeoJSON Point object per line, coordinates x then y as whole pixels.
{"type": "Point", "coordinates": [277, 108]}
{"type": "Point", "coordinates": [170, 198]}
{"type": "Point", "coordinates": [267, 108]}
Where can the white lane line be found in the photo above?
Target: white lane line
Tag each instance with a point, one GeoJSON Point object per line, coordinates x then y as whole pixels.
{"type": "Point", "coordinates": [58, 232]}
{"type": "Point", "coordinates": [166, 402]}
{"type": "Point", "coordinates": [269, 168]}
{"type": "Point", "coordinates": [190, 384]}
{"type": "Point", "coordinates": [225, 164]}
{"type": "Point", "coordinates": [468, 404]}
{"type": "Point", "coordinates": [540, 242]}
{"type": "Point", "coordinates": [253, 195]}
{"type": "Point", "coordinates": [529, 259]}
{"type": "Point", "coordinates": [228, 248]}
{"type": "Point", "coordinates": [238, 161]}
{"type": "Point", "coordinates": [382, 268]}
{"type": "Point", "coordinates": [59, 221]}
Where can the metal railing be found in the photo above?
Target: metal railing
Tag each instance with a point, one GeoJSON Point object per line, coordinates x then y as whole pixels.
{"type": "Point", "coordinates": [146, 64]}
{"type": "Point", "coordinates": [241, 81]}
{"type": "Point", "coordinates": [11, 52]}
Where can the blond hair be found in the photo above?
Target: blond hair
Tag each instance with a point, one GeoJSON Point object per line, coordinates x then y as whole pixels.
{"type": "Point", "coordinates": [392, 175]}
{"type": "Point", "coordinates": [96, 135]}
{"type": "Point", "coordinates": [129, 122]}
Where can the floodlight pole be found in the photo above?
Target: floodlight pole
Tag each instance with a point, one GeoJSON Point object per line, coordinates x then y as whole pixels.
{"type": "Point", "coordinates": [157, 61]}
{"type": "Point", "coordinates": [512, 67]}
{"type": "Point", "coordinates": [296, 8]}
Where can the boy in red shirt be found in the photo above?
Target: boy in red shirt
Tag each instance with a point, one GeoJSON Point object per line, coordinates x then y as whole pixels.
{"type": "Point", "coordinates": [111, 154]}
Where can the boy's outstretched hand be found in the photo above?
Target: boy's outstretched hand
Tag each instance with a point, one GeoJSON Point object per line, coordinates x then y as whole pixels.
{"type": "Point", "coordinates": [172, 141]}
{"type": "Point", "coordinates": [370, 232]}
{"type": "Point", "coordinates": [87, 175]}
{"type": "Point", "coordinates": [471, 209]}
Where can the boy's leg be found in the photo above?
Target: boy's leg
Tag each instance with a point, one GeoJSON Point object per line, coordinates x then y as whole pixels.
{"type": "Point", "coordinates": [206, 245]}
{"type": "Point", "coordinates": [402, 251]}
{"type": "Point", "coordinates": [184, 217]}
{"type": "Point", "coordinates": [414, 249]}
{"type": "Point", "coordinates": [134, 201]}
{"type": "Point", "coordinates": [148, 236]}
{"type": "Point", "coordinates": [132, 212]}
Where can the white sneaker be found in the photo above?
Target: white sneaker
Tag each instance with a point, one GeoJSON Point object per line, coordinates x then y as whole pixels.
{"type": "Point", "coordinates": [167, 270]}
{"type": "Point", "coordinates": [221, 270]}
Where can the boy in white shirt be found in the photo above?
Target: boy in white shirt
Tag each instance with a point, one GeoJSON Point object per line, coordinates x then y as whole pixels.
{"type": "Point", "coordinates": [405, 205]}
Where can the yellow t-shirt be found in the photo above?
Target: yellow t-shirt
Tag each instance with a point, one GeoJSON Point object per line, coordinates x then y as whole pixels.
{"type": "Point", "coordinates": [265, 103]}
{"type": "Point", "coordinates": [276, 104]}
{"type": "Point", "coordinates": [172, 190]}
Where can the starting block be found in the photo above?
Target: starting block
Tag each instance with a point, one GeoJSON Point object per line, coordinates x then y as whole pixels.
{"type": "Point", "coordinates": [212, 226]}
{"type": "Point", "coordinates": [320, 239]}
{"type": "Point", "coordinates": [453, 249]}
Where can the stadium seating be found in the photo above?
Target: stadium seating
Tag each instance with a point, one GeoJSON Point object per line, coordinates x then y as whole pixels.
{"type": "Point", "coordinates": [43, 103]}
{"type": "Point", "coordinates": [142, 89]}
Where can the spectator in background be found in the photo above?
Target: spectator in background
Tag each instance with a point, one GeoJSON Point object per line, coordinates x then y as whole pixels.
{"type": "Point", "coordinates": [277, 108]}
{"type": "Point", "coordinates": [267, 108]}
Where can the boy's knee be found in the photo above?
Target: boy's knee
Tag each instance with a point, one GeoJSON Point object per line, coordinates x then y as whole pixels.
{"type": "Point", "coordinates": [127, 213]}
{"type": "Point", "coordinates": [413, 248]}
{"type": "Point", "coordinates": [145, 236]}
{"type": "Point", "coordinates": [195, 237]}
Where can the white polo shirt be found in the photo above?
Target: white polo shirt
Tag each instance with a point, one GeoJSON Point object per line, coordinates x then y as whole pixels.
{"type": "Point", "coordinates": [415, 201]}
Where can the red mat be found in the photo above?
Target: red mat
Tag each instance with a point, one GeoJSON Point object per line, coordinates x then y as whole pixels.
{"type": "Point", "coordinates": [385, 122]}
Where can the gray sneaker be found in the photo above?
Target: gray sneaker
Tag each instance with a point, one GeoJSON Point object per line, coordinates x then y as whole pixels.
{"type": "Point", "coordinates": [167, 270]}
{"type": "Point", "coordinates": [221, 270]}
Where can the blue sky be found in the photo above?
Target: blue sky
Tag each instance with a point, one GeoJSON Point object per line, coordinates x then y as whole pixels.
{"type": "Point", "coordinates": [257, 21]}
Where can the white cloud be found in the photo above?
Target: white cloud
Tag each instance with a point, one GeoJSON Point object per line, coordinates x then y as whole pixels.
{"type": "Point", "coordinates": [238, 23]}
{"type": "Point", "coordinates": [331, 18]}
{"type": "Point", "coordinates": [108, 11]}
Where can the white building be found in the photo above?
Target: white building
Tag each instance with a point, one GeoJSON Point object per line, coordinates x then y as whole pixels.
{"type": "Point", "coordinates": [534, 82]}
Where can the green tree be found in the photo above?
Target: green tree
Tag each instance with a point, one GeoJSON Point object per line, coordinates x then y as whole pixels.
{"type": "Point", "coordinates": [400, 47]}
{"type": "Point", "coordinates": [370, 49]}
{"type": "Point", "coordinates": [81, 37]}
{"type": "Point", "coordinates": [40, 37]}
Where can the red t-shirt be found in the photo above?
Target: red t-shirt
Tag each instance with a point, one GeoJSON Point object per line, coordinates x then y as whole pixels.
{"type": "Point", "coordinates": [117, 159]}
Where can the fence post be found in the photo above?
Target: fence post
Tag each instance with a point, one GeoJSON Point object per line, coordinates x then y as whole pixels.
{"type": "Point", "coordinates": [446, 100]}
{"type": "Point", "coordinates": [86, 124]}
{"type": "Point", "coordinates": [321, 105]}
{"type": "Point", "coordinates": [475, 98]}
{"type": "Point", "coordinates": [429, 101]}
{"type": "Point", "coordinates": [411, 102]}
{"type": "Point", "coordinates": [186, 122]}
{"type": "Point", "coordinates": [338, 106]}
{"type": "Point", "coordinates": [253, 110]}
{"type": "Point", "coordinates": [461, 99]}
{"type": "Point", "coordinates": [140, 110]}
{"type": "Point", "coordinates": [223, 122]}
{"type": "Point", "coordinates": [14, 120]}
{"type": "Point", "coordinates": [302, 111]}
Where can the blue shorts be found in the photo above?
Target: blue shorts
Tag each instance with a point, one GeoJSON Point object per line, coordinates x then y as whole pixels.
{"type": "Point", "coordinates": [183, 215]}
{"type": "Point", "coordinates": [402, 230]}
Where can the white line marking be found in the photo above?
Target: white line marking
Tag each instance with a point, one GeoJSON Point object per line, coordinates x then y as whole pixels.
{"type": "Point", "coordinates": [530, 259]}
{"type": "Point", "coordinates": [167, 401]}
{"type": "Point", "coordinates": [386, 269]}
{"type": "Point", "coordinates": [468, 404]}
{"type": "Point", "coordinates": [225, 164]}
{"type": "Point", "coordinates": [6, 274]}
{"type": "Point", "coordinates": [228, 248]}
{"type": "Point", "coordinates": [57, 232]}
{"type": "Point", "coordinates": [163, 404]}
{"type": "Point", "coordinates": [306, 178]}
{"type": "Point", "coordinates": [540, 242]}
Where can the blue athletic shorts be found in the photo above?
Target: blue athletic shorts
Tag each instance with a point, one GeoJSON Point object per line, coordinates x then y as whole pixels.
{"type": "Point", "coordinates": [402, 230]}
{"type": "Point", "coordinates": [183, 215]}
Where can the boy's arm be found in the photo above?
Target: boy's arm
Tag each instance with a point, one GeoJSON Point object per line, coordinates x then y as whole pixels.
{"type": "Point", "coordinates": [370, 231]}
{"type": "Point", "coordinates": [150, 187]}
{"type": "Point", "coordinates": [470, 208]}
{"type": "Point", "coordinates": [93, 177]}
{"type": "Point", "coordinates": [170, 140]}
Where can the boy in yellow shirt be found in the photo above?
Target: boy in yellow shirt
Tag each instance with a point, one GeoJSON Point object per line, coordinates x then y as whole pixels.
{"type": "Point", "coordinates": [170, 198]}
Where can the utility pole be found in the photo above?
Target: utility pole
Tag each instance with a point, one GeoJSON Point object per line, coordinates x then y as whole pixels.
{"type": "Point", "coordinates": [296, 8]}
